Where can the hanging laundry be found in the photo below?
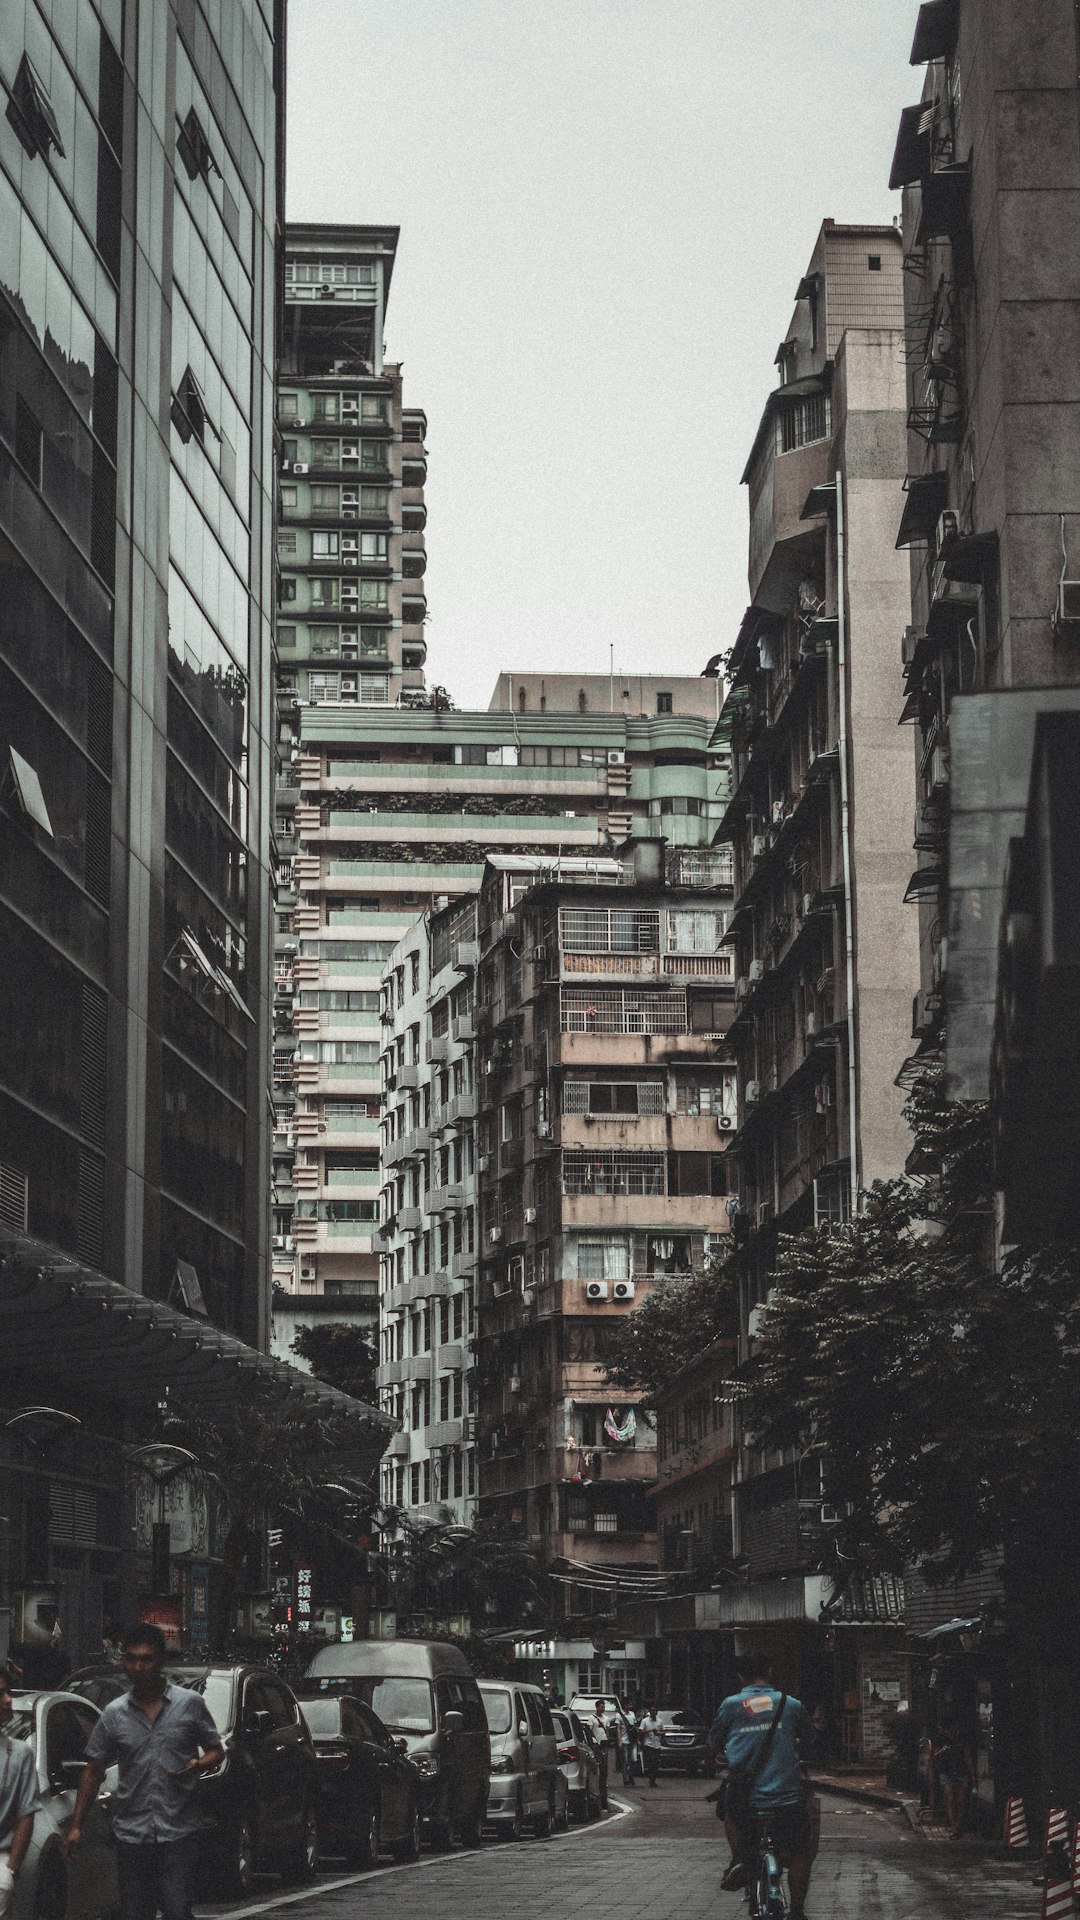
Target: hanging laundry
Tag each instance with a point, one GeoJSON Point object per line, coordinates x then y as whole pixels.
{"type": "Point", "coordinates": [617, 1429]}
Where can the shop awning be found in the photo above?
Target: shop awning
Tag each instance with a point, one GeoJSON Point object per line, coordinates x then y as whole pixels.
{"type": "Point", "coordinates": [935, 31]}
{"type": "Point", "coordinates": [926, 494]}
{"type": "Point", "coordinates": [911, 155]}
{"type": "Point", "coordinates": [63, 1324]}
{"type": "Point", "coordinates": [947, 1627]}
{"type": "Point", "coordinates": [867, 1600]}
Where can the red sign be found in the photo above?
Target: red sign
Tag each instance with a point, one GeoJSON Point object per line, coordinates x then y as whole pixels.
{"type": "Point", "coordinates": [164, 1614]}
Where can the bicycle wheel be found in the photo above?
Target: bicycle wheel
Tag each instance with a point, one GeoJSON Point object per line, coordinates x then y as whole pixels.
{"type": "Point", "coordinates": [771, 1900]}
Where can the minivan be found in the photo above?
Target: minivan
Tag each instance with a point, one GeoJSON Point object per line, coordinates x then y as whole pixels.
{"type": "Point", "coordinates": [425, 1693]}
{"type": "Point", "coordinates": [525, 1776]}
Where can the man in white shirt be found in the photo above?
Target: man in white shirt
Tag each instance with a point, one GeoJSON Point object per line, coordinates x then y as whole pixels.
{"type": "Point", "coordinates": [20, 1799]}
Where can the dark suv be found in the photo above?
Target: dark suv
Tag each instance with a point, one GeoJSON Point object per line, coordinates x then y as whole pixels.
{"type": "Point", "coordinates": [261, 1803]}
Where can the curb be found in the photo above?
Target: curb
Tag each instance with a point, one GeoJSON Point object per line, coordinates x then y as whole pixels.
{"type": "Point", "coordinates": [867, 1795]}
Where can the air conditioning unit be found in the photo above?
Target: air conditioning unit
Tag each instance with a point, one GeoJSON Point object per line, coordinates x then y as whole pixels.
{"type": "Point", "coordinates": [623, 1290]}
{"type": "Point", "coordinates": [307, 1273]}
{"type": "Point", "coordinates": [483, 1162]}
{"type": "Point", "coordinates": [1067, 616]}
{"type": "Point", "coordinates": [725, 1123]}
{"type": "Point", "coordinates": [300, 466]}
{"type": "Point", "coordinates": [822, 1097]}
{"type": "Point", "coordinates": [494, 1235]}
{"type": "Point", "coordinates": [807, 905]}
{"type": "Point", "coordinates": [616, 757]}
{"type": "Point", "coordinates": [811, 1024]}
{"type": "Point", "coordinates": [596, 1290]}
{"type": "Point", "coordinates": [741, 987]}
{"type": "Point", "coordinates": [755, 1323]}
{"type": "Point", "coordinates": [778, 813]}
{"type": "Point", "coordinates": [909, 641]}
{"type": "Point", "coordinates": [528, 1296]}
{"type": "Point", "coordinates": [759, 846]}
{"type": "Point", "coordinates": [286, 466]}
{"type": "Point", "coordinates": [543, 1129]}
{"type": "Point", "coordinates": [948, 529]}
{"type": "Point", "coordinates": [539, 953]}
{"type": "Point", "coordinates": [280, 1242]}
{"type": "Point", "coordinates": [757, 972]}
{"type": "Point", "coordinates": [530, 1216]}
{"type": "Point", "coordinates": [753, 1092]}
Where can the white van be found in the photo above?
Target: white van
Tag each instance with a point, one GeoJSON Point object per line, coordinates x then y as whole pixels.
{"type": "Point", "coordinates": [527, 1785]}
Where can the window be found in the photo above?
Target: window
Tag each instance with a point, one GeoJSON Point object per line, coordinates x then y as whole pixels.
{"type": "Point", "coordinates": [663, 703]}
{"type": "Point", "coordinates": [288, 497]}
{"type": "Point", "coordinates": [605, 1257]}
{"type": "Point", "coordinates": [286, 638]}
{"type": "Point", "coordinates": [612, 1172]}
{"type": "Point", "coordinates": [188, 411]}
{"type": "Point", "coordinates": [873, 262]}
{"type": "Point", "coordinates": [713, 1096]}
{"type": "Point", "coordinates": [373, 546]}
{"type": "Point", "coordinates": [194, 149]}
{"type": "Point", "coordinates": [28, 439]}
{"type": "Point", "coordinates": [801, 422]}
{"type": "Point", "coordinates": [289, 409]}
{"type": "Point", "coordinates": [696, 930]}
{"type": "Point", "coordinates": [607, 1010]}
{"type": "Point", "coordinates": [325, 500]}
{"type": "Point", "coordinates": [286, 595]}
{"type": "Point", "coordinates": [286, 540]}
{"type": "Point", "coordinates": [326, 406]}
{"type": "Point", "coordinates": [374, 499]}
{"type": "Point", "coordinates": [372, 593]}
{"type": "Point", "coordinates": [372, 455]}
{"type": "Point", "coordinates": [372, 406]}
{"type": "Point", "coordinates": [709, 1013]}
{"type": "Point", "coordinates": [609, 930]}
{"type": "Point", "coordinates": [613, 1097]}
{"type": "Point", "coordinates": [324, 546]}
{"type": "Point", "coordinates": [324, 592]}
{"type": "Point", "coordinates": [30, 111]}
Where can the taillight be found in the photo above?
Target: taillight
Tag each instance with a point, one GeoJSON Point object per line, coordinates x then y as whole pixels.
{"type": "Point", "coordinates": [569, 1753]}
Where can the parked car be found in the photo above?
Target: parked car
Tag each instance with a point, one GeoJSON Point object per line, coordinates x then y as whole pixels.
{"type": "Point", "coordinates": [683, 1740]}
{"type": "Point", "coordinates": [369, 1788]}
{"type": "Point", "coordinates": [98, 1684]}
{"type": "Point", "coordinates": [424, 1692]}
{"type": "Point", "coordinates": [261, 1803]}
{"type": "Point", "coordinates": [57, 1726]}
{"type": "Point", "coordinates": [584, 1705]}
{"type": "Point", "coordinates": [579, 1764]}
{"type": "Point", "coordinates": [526, 1780]}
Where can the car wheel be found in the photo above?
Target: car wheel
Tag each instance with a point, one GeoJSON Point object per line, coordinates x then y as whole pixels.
{"type": "Point", "coordinates": [238, 1858]}
{"type": "Point", "coordinates": [562, 1820]}
{"type": "Point", "coordinates": [50, 1893]}
{"type": "Point", "coordinates": [440, 1832]}
{"type": "Point", "coordinates": [517, 1825]}
{"type": "Point", "coordinates": [302, 1860]}
{"type": "Point", "coordinates": [362, 1844]}
{"type": "Point", "coordinates": [592, 1806]}
{"type": "Point", "coordinates": [408, 1846]}
{"type": "Point", "coordinates": [544, 1823]}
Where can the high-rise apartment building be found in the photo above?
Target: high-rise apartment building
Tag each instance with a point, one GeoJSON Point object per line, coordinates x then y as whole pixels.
{"type": "Point", "coordinates": [394, 811]}
{"type": "Point", "coordinates": [991, 521]}
{"type": "Point", "coordinates": [820, 823]}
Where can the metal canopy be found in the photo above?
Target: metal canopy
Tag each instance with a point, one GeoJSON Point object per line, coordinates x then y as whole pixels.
{"type": "Point", "coordinates": [935, 31]}
{"type": "Point", "coordinates": [911, 155]}
{"type": "Point", "coordinates": [61, 1320]}
{"type": "Point", "coordinates": [927, 494]}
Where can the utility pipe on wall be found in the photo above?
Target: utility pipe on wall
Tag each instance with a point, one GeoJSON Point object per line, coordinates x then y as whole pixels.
{"type": "Point", "coordinates": [845, 837]}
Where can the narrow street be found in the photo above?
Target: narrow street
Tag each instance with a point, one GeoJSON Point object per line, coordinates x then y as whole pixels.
{"type": "Point", "coordinates": [660, 1855]}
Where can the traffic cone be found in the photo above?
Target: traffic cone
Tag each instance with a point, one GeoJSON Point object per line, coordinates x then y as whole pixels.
{"type": "Point", "coordinates": [1057, 1830]}
{"type": "Point", "coordinates": [1016, 1827]}
{"type": "Point", "coordinates": [1057, 1900]}
{"type": "Point", "coordinates": [1076, 1862]}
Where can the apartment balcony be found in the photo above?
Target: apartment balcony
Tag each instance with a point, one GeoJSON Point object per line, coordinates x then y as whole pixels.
{"type": "Point", "coordinates": [444, 1433]}
{"type": "Point", "coordinates": [463, 1265]}
{"type": "Point", "coordinates": [645, 966]}
{"type": "Point", "coordinates": [413, 515]}
{"type": "Point", "coordinates": [661, 1212]}
{"type": "Point", "coordinates": [397, 1447]}
{"type": "Point", "coordinates": [674, 1132]}
{"type": "Point", "coordinates": [635, 1049]}
{"type": "Point", "coordinates": [413, 560]}
{"type": "Point", "coordinates": [784, 546]}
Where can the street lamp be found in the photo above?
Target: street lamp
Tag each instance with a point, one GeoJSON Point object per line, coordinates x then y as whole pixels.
{"type": "Point", "coordinates": [163, 1462]}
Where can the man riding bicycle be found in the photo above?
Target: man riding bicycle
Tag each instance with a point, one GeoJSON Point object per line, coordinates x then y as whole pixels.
{"type": "Point", "coordinates": [758, 1744]}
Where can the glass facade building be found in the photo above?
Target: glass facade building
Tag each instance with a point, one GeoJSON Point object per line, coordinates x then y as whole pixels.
{"type": "Point", "coordinates": [140, 211]}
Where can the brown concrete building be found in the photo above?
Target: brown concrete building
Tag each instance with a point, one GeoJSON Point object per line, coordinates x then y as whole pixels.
{"type": "Point", "coordinates": [604, 1111]}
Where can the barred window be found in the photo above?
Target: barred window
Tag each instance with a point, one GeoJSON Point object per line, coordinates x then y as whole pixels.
{"type": "Point", "coordinates": [610, 1010]}
{"type": "Point", "coordinates": [803, 421]}
{"type": "Point", "coordinates": [609, 930]}
{"type": "Point", "coordinates": [614, 1097]}
{"type": "Point", "coordinates": [695, 930]}
{"type": "Point", "coordinates": [604, 1257]}
{"type": "Point", "coordinates": [613, 1172]}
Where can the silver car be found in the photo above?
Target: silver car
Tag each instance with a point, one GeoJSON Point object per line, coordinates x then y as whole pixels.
{"type": "Point", "coordinates": [527, 1785]}
{"type": "Point", "coordinates": [578, 1764]}
{"type": "Point", "coordinates": [58, 1726]}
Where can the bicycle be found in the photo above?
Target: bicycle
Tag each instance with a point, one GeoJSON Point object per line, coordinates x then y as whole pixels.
{"type": "Point", "coordinates": [765, 1896]}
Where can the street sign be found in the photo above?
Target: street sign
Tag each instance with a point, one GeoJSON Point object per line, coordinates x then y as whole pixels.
{"type": "Point", "coordinates": [346, 1629]}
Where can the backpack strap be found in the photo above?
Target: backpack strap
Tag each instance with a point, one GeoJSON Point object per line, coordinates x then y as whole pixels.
{"type": "Point", "coordinates": [765, 1748]}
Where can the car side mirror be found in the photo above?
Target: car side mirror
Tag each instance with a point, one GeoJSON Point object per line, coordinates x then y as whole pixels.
{"type": "Point", "coordinates": [402, 1747]}
{"type": "Point", "coordinates": [67, 1774]}
{"type": "Point", "coordinates": [259, 1721]}
{"type": "Point", "coordinates": [453, 1721]}
{"type": "Point", "coordinates": [523, 1729]}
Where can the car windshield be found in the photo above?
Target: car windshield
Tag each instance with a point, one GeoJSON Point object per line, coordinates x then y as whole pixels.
{"type": "Point", "coordinates": [497, 1709]}
{"type": "Point", "coordinates": [402, 1702]}
{"type": "Point", "coordinates": [563, 1728]}
{"type": "Point", "coordinates": [682, 1717]}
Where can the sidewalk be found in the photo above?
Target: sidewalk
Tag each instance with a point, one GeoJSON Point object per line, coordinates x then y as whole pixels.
{"type": "Point", "coordinates": [853, 1783]}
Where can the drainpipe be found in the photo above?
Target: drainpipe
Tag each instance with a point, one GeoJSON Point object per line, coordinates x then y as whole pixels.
{"type": "Point", "coordinates": [845, 838]}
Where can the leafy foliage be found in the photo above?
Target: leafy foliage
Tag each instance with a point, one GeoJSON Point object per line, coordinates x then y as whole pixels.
{"type": "Point", "coordinates": [672, 1326]}
{"type": "Point", "coordinates": [340, 1355]}
{"type": "Point", "coordinates": [944, 1395]}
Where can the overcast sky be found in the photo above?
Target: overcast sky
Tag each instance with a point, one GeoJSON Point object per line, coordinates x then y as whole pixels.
{"type": "Point", "coordinates": [605, 209]}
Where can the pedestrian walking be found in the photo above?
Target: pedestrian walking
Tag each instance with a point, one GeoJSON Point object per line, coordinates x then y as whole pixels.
{"type": "Point", "coordinates": [19, 1800]}
{"type": "Point", "coordinates": [161, 1737]}
{"type": "Point", "coordinates": [649, 1729]}
{"type": "Point", "coordinates": [624, 1745]}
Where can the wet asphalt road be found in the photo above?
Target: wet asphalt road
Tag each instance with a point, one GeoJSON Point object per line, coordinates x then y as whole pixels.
{"type": "Point", "coordinates": [659, 1856]}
